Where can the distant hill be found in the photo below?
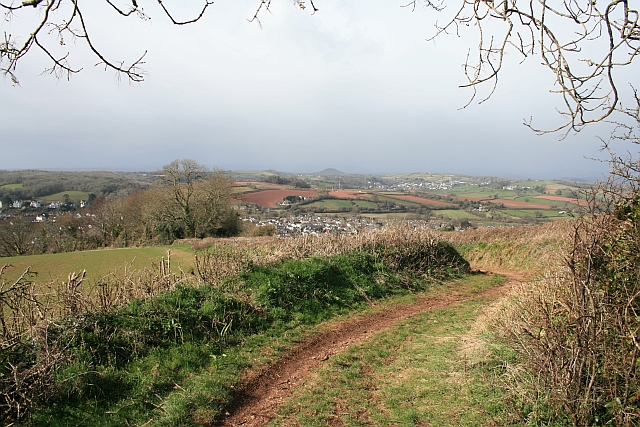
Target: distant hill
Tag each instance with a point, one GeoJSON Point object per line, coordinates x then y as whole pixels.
{"type": "Point", "coordinates": [329, 171]}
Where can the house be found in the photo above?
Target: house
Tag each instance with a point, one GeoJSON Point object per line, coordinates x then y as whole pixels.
{"type": "Point", "coordinates": [17, 204]}
{"type": "Point", "coordinates": [55, 205]}
{"type": "Point", "coordinates": [35, 204]}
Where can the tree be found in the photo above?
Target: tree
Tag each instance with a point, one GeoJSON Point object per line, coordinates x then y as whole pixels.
{"type": "Point", "coordinates": [193, 202]}
{"type": "Point", "coordinates": [64, 20]}
{"type": "Point", "coordinates": [180, 178]}
{"type": "Point", "coordinates": [581, 42]}
{"type": "Point", "coordinates": [16, 237]}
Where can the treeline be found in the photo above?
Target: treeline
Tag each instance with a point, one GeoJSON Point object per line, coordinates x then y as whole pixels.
{"type": "Point", "coordinates": [188, 201]}
{"type": "Point", "coordinates": [283, 180]}
{"type": "Point", "coordinates": [34, 183]}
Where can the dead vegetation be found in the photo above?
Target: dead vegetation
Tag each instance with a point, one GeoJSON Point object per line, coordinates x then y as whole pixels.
{"type": "Point", "coordinates": [28, 312]}
{"type": "Point", "coordinates": [528, 248]}
{"type": "Point", "coordinates": [576, 327]}
{"type": "Point", "coordinates": [396, 246]}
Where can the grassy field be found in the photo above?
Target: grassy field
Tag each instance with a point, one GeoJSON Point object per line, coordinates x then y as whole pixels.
{"type": "Point", "coordinates": [59, 197]}
{"type": "Point", "coordinates": [487, 193]}
{"type": "Point", "coordinates": [177, 358]}
{"type": "Point", "coordinates": [542, 213]}
{"type": "Point", "coordinates": [330, 204]}
{"type": "Point", "coordinates": [171, 359]}
{"type": "Point", "coordinates": [242, 189]}
{"type": "Point", "coordinates": [399, 201]}
{"type": "Point", "coordinates": [10, 186]}
{"type": "Point", "coordinates": [97, 263]}
{"type": "Point", "coordinates": [432, 369]}
{"type": "Point", "coordinates": [456, 214]}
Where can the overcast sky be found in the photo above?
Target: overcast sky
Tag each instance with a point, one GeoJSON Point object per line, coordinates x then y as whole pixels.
{"type": "Point", "coordinates": [355, 87]}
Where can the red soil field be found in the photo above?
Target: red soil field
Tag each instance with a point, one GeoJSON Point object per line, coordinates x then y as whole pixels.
{"type": "Point", "coordinates": [563, 199]}
{"type": "Point", "coordinates": [270, 198]}
{"type": "Point", "coordinates": [419, 200]}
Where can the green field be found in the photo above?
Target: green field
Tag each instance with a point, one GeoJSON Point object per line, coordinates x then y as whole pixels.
{"type": "Point", "coordinates": [339, 204]}
{"type": "Point", "coordinates": [456, 214]}
{"type": "Point", "coordinates": [484, 192]}
{"type": "Point", "coordinates": [557, 203]}
{"type": "Point", "coordinates": [10, 186]}
{"type": "Point", "coordinates": [59, 197]}
{"type": "Point", "coordinates": [98, 263]}
{"type": "Point", "coordinates": [330, 204]}
{"type": "Point", "coordinates": [243, 189]}
{"type": "Point", "coordinates": [522, 213]}
{"type": "Point", "coordinates": [398, 201]}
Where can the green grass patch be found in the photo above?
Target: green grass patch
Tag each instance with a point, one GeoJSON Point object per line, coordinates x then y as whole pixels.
{"type": "Point", "coordinates": [74, 196]}
{"type": "Point", "coordinates": [432, 369]}
{"type": "Point", "coordinates": [242, 189]}
{"type": "Point", "coordinates": [10, 186]}
{"type": "Point", "coordinates": [98, 263]}
{"type": "Point", "coordinates": [365, 204]}
{"type": "Point", "coordinates": [174, 358]}
{"type": "Point", "coordinates": [398, 201]}
{"type": "Point", "coordinates": [455, 214]}
{"type": "Point", "coordinates": [532, 213]}
{"type": "Point", "coordinates": [330, 204]}
{"type": "Point", "coordinates": [340, 204]}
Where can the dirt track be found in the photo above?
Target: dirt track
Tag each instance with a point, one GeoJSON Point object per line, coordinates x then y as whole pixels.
{"type": "Point", "coordinates": [256, 401]}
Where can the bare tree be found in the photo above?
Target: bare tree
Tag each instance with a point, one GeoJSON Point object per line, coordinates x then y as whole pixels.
{"type": "Point", "coordinates": [180, 177]}
{"type": "Point", "coordinates": [64, 20]}
{"type": "Point", "coordinates": [16, 237]}
{"type": "Point", "coordinates": [582, 42]}
{"type": "Point", "coordinates": [194, 202]}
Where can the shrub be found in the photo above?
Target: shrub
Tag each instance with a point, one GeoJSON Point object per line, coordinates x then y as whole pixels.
{"type": "Point", "coordinates": [577, 329]}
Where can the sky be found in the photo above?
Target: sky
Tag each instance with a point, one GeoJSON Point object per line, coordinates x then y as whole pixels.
{"type": "Point", "coordinates": [355, 86]}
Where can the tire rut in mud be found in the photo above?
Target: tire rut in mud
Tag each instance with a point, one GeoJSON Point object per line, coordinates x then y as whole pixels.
{"type": "Point", "coordinates": [262, 392]}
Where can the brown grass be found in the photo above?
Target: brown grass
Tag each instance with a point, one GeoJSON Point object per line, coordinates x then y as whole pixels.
{"type": "Point", "coordinates": [529, 248]}
{"type": "Point", "coordinates": [227, 257]}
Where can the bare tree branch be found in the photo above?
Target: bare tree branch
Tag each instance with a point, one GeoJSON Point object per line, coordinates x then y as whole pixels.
{"type": "Point", "coordinates": [580, 43]}
{"type": "Point", "coordinates": [12, 50]}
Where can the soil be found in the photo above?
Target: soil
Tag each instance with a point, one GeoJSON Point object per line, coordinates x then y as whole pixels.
{"type": "Point", "coordinates": [420, 200]}
{"type": "Point", "coordinates": [262, 392]}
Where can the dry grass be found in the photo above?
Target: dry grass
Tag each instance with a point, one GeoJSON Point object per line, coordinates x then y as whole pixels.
{"type": "Point", "coordinates": [27, 310]}
{"type": "Point", "coordinates": [225, 258]}
{"type": "Point", "coordinates": [575, 327]}
{"type": "Point", "coordinates": [528, 248]}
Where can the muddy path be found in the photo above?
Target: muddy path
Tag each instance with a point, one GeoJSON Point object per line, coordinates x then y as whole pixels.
{"type": "Point", "coordinates": [262, 392]}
